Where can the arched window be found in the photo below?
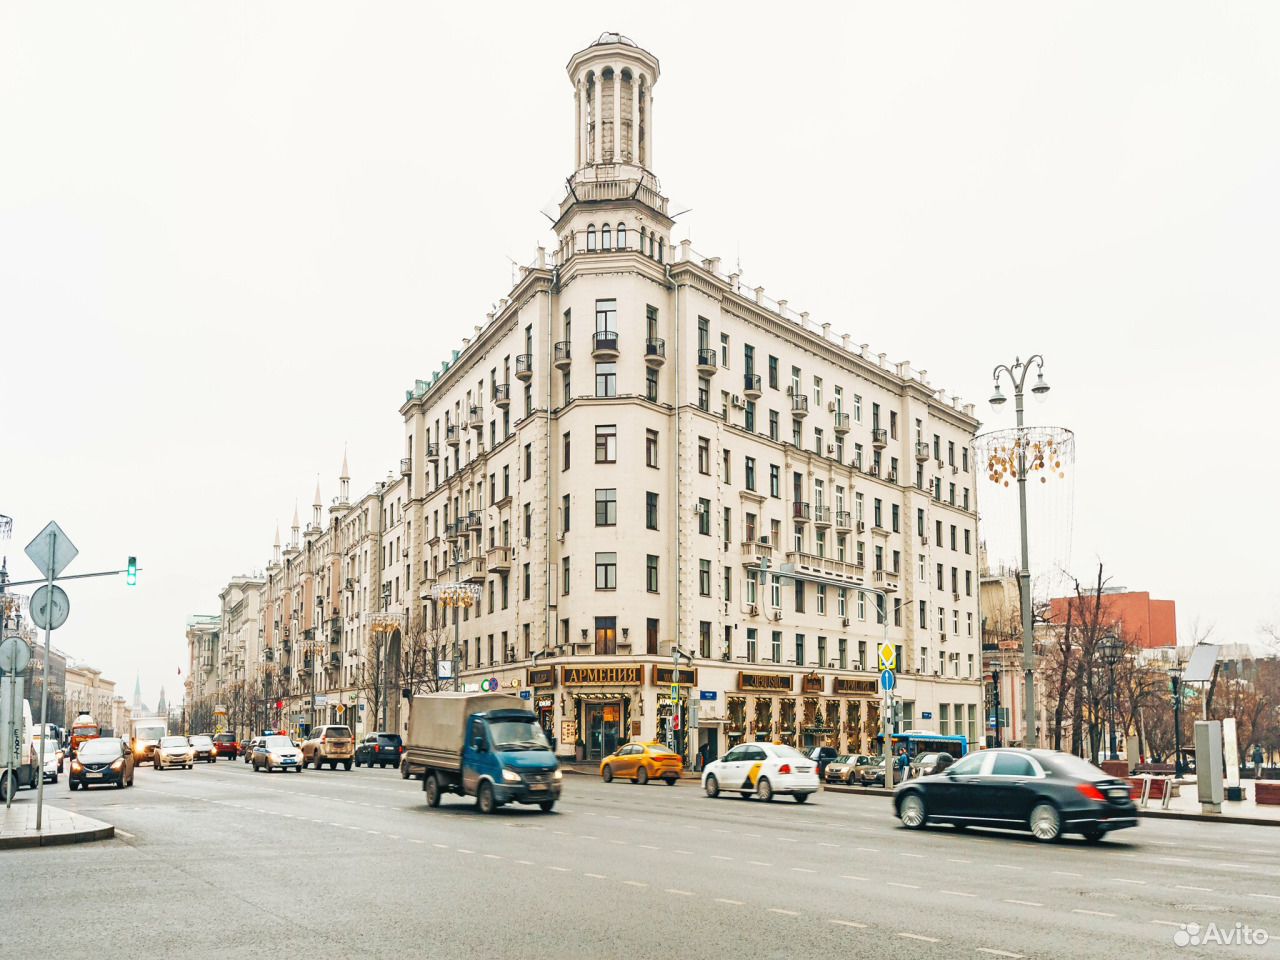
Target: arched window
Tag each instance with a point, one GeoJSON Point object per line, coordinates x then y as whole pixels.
{"type": "Point", "coordinates": [643, 234]}
{"type": "Point", "coordinates": [604, 237]}
{"type": "Point", "coordinates": [660, 249]}
{"type": "Point", "coordinates": [591, 236]}
{"type": "Point", "coordinates": [622, 236]}
{"type": "Point", "coordinates": [651, 239]}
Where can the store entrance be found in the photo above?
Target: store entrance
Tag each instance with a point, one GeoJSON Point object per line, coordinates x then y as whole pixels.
{"type": "Point", "coordinates": [604, 729]}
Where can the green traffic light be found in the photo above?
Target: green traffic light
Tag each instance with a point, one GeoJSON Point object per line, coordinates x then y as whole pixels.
{"type": "Point", "coordinates": [131, 572]}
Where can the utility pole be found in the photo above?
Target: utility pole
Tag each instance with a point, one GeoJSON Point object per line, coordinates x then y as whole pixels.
{"type": "Point", "coordinates": [457, 626]}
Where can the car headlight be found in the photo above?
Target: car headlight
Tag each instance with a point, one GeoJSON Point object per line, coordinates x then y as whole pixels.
{"type": "Point", "coordinates": [558, 775]}
{"type": "Point", "coordinates": [118, 765]}
{"type": "Point", "coordinates": [75, 766]}
{"type": "Point", "coordinates": [510, 776]}
{"type": "Point", "coordinates": [274, 758]}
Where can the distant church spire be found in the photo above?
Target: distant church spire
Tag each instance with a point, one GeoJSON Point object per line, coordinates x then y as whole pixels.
{"type": "Point", "coordinates": [137, 692]}
{"type": "Point", "coordinates": [344, 481]}
{"type": "Point", "coordinates": [316, 506]}
{"type": "Point", "coordinates": [162, 707]}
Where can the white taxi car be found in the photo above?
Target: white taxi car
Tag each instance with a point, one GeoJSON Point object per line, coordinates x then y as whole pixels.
{"type": "Point", "coordinates": [765, 769]}
{"type": "Point", "coordinates": [174, 752]}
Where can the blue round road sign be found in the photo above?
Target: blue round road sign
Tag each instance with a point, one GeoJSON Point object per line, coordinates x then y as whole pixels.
{"type": "Point", "coordinates": [886, 679]}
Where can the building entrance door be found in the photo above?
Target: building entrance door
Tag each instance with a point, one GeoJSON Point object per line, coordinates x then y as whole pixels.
{"type": "Point", "coordinates": [604, 729]}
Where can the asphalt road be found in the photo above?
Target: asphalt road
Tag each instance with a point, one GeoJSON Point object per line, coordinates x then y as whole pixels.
{"type": "Point", "coordinates": [222, 862]}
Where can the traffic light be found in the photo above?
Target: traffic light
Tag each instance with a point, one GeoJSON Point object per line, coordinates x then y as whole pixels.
{"type": "Point", "coordinates": [131, 572]}
{"type": "Point", "coordinates": [279, 704]}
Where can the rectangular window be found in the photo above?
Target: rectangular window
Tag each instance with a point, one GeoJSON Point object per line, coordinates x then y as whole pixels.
{"type": "Point", "coordinates": [606, 379]}
{"type": "Point", "coordinates": [606, 443]}
{"type": "Point", "coordinates": [724, 351]}
{"type": "Point", "coordinates": [651, 511]}
{"type": "Point", "coordinates": [857, 408]}
{"type": "Point", "coordinates": [843, 646]}
{"type": "Point", "coordinates": [564, 576]}
{"type": "Point", "coordinates": [799, 649]}
{"type": "Point", "coordinates": [704, 639]}
{"type": "Point", "coordinates": [606, 635]}
{"type": "Point", "coordinates": [750, 472]}
{"type": "Point", "coordinates": [704, 578]}
{"type": "Point", "coordinates": [796, 389]}
{"type": "Point", "coordinates": [606, 316]}
{"type": "Point", "coordinates": [894, 518]}
{"type": "Point", "coordinates": [799, 594]}
{"type": "Point", "coordinates": [528, 520]}
{"type": "Point", "coordinates": [749, 418]}
{"type": "Point", "coordinates": [564, 451]}
{"type": "Point", "coordinates": [704, 393]}
{"type": "Point", "coordinates": [651, 448]}
{"type": "Point", "coordinates": [606, 571]}
{"type": "Point", "coordinates": [822, 652]}
{"type": "Point", "coordinates": [651, 573]}
{"type": "Point", "coordinates": [651, 635]}
{"type": "Point", "coordinates": [528, 583]}
{"type": "Point", "coordinates": [704, 516]}
{"type": "Point", "coordinates": [775, 480]}
{"type": "Point", "coordinates": [528, 460]}
{"type": "Point", "coordinates": [606, 507]}
{"type": "Point", "coordinates": [651, 384]}
{"type": "Point", "coordinates": [726, 466]}
{"type": "Point", "coordinates": [704, 456]}
{"type": "Point", "coordinates": [752, 653]}
{"type": "Point", "coordinates": [773, 425]}
{"type": "Point", "coordinates": [773, 373]}
{"type": "Point", "coordinates": [564, 514]}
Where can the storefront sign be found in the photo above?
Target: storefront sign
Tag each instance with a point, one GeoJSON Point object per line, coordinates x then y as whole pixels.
{"type": "Point", "coordinates": [602, 676]}
{"type": "Point", "coordinates": [812, 683]}
{"type": "Point", "coordinates": [707, 694]}
{"type": "Point", "coordinates": [542, 677]}
{"type": "Point", "coordinates": [545, 701]}
{"type": "Point", "coordinates": [851, 685]}
{"type": "Point", "coordinates": [685, 677]}
{"type": "Point", "coordinates": [771, 682]}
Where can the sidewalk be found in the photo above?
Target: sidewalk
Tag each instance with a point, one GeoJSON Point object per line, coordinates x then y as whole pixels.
{"type": "Point", "coordinates": [18, 826]}
{"type": "Point", "coordinates": [1182, 807]}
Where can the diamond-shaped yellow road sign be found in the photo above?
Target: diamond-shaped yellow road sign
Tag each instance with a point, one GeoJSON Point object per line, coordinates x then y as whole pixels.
{"type": "Point", "coordinates": [888, 657]}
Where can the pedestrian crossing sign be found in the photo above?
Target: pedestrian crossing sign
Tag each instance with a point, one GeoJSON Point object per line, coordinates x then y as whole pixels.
{"type": "Point", "coordinates": [888, 657]}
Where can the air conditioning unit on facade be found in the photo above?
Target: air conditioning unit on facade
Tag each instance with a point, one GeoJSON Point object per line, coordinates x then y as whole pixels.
{"type": "Point", "coordinates": [954, 470]}
{"type": "Point", "coordinates": [726, 608]}
{"type": "Point", "coordinates": [924, 539]}
{"type": "Point", "coordinates": [956, 597]}
{"type": "Point", "coordinates": [752, 610]}
{"type": "Point", "coordinates": [736, 402]}
{"type": "Point", "coordinates": [776, 615]}
{"type": "Point", "coordinates": [831, 448]}
{"type": "Point", "coordinates": [831, 406]}
{"type": "Point", "coordinates": [764, 540]}
{"type": "Point", "coordinates": [791, 391]}
{"type": "Point", "coordinates": [861, 526]}
{"type": "Point", "coordinates": [844, 621]}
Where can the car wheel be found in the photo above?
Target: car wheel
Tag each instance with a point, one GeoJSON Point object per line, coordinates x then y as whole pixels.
{"type": "Point", "coordinates": [432, 790]}
{"type": "Point", "coordinates": [1046, 822]}
{"type": "Point", "coordinates": [485, 801]}
{"type": "Point", "coordinates": [546, 806]}
{"type": "Point", "coordinates": [347, 765]}
{"type": "Point", "coordinates": [764, 790]}
{"type": "Point", "coordinates": [671, 781]}
{"type": "Point", "coordinates": [911, 811]}
{"type": "Point", "coordinates": [711, 786]}
{"type": "Point", "coordinates": [1094, 834]}
{"type": "Point", "coordinates": [404, 772]}
{"type": "Point", "coordinates": [120, 784]}
{"type": "Point", "coordinates": [55, 778]}
{"type": "Point", "coordinates": [607, 774]}
{"type": "Point", "coordinates": [801, 797]}
{"type": "Point", "coordinates": [642, 776]}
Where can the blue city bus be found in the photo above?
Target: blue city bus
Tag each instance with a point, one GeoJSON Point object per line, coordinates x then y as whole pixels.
{"type": "Point", "coordinates": [924, 741]}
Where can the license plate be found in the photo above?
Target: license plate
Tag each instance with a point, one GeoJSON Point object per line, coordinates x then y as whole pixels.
{"type": "Point", "coordinates": [537, 786]}
{"type": "Point", "coordinates": [1118, 794]}
{"type": "Point", "coordinates": [93, 776]}
{"type": "Point", "coordinates": [804, 769]}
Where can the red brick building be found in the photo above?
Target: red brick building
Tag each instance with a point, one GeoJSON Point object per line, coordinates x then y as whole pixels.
{"type": "Point", "coordinates": [1148, 623]}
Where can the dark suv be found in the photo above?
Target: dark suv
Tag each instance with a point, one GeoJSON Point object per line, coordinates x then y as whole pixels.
{"type": "Point", "coordinates": [226, 745]}
{"type": "Point", "coordinates": [822, 756]}
{"type": "Point", "coordinates": [383, 749]}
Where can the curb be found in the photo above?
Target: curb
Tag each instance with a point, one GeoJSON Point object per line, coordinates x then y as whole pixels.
{"type": "Point", "coordinates": [106, 832]}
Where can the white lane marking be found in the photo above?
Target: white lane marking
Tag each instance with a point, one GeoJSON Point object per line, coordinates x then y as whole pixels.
{"type": "Point", "coordinates": [1266, 896]}
{"type": "Point", "coordinates": [803, 870]}
{"type": "Point", "coordinates": [850, 923]}
{"type": "Point", "coordinates": [850, 876]}
{"type": "Point", "coordinates": [647, 846]}
{"type": "Point", "coordinates": [732, 903]}
{"type": "Point", "coordinates": [596, 876]}
{"type": "Point", "coordinates": [787, 840]}
{"type": "Point", "coordinates": [718, 856]}
{"type": "Point", "coordinates": [904, 886]}
{"type": "Point", "coordinates": [527, 863]}
{"type": "Point", "coordinates": [957, 893]}
{"type": "Point", "coordinates": [1196, 889]}
{"type": "Point", "coordinates": [1094, 913]}
{"type": "Point", "coordinates": [1005, 866]}
{"type": "Point", "coordinates": [376, 833]}
{"type": "Point", "coordinates": [1168, 923]}
{"type": "Point", "coordinates": [684, 853]}
{"type": "Point", "coordinates": [634, 883]}
{"type": "Point", "coordinates": [785, 913]}
{"type": "Point", "coordinates": [837, 846]}
{"type": "Point", "coordinates": [124, 833]}
{"type": "Point", "coordinates": [919, 856]}
{"type": "Point", "coordinates": [334, 824]}
{"type": "Point", "coordinates": [916, 936]}
{"type": "Point", "coordinates": [559, 869]}
{"type": "Point", "coordinates": [759, 863]}
{"type": "Point", "coordinates": [956, 860]}
{"type": "Point", "coordinates": [1025, 903]}
{"type": "Point", "coordinates": [1064, 873]}
{"type": "Point", "coordinates": [494, 856]}
{"type": "Point", "coordinates": [680, 893]}
{"type": "Point", "coordinates": [1000, 953]}
{"type": "Point", "coordinates": [1173, 859]}
{"type": "Point", "coordinates": [461, 850]}
{"type": "Point", "coordinates": [1141, 883]}
{"type": "Point", "coordinates": [440, 846]}
{"type": "Point", "coordinates": [1235, 866]}
{"type": "Point", "coordinates": [416, 840]}
{"type": "Point", "coordinates": [754, 836]}
{"type": "Point", "coordinates": [587, 837]}
{"type": "Point", "coordinates": [867, 849]}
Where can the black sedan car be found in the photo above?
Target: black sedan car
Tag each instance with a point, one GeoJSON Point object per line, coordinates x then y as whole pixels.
{"type": "Point", "coordinates": [823, 756]}
{"type": "Point", "coordinates": [1046, 792]}
{"type": "Point", "coordinates": [382, 749]}
{"type": "Point", "coordinates": [102, 760]}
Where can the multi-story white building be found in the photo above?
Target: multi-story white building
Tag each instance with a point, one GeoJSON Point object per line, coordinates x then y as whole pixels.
{"type": "Point", "coordinates": [639, 454]}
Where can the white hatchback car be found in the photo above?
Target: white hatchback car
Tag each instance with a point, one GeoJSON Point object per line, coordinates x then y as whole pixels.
{"type": "Point", "coordinates": [173, 752]}
{"type": "Point", "coordinates": [765, 769]}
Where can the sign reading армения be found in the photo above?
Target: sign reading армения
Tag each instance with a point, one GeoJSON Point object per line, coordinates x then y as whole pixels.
{"type": "Point", "coordinates": [772, 682]}
{"type": "Point", "coordinates": [688, 677]}
{"type": "Point", "coordinates": [852, 685]}
{"type": "Point", "coordinates": [601, 676]}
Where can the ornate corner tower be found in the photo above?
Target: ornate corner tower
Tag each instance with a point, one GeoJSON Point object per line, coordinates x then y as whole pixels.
{"type": "Point", "coordinates": [613, 81]}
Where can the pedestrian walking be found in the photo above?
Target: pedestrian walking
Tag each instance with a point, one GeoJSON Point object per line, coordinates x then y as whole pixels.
{"type": "Point", "coordinates": [1257, 761]}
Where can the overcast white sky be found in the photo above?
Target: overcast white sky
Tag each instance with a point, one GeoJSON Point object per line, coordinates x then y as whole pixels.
{"type": "Point", "coordinates": [232, 234]}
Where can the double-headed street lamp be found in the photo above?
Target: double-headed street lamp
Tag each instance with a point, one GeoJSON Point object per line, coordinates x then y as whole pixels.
{"type": "Point", "coordinates": [1175, 681]}
{"type": "Point", "coordinates": [1017, 373]}
{"type": "Point", "coordinates": [1112, 651]}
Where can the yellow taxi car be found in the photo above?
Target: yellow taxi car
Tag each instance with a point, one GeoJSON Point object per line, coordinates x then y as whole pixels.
{"type": "Point", "coordinates": [642, 762]}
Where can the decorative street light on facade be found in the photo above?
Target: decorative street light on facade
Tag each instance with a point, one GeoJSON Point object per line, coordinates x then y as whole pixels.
{"type": "Point", "coordinates": [1112, 651]}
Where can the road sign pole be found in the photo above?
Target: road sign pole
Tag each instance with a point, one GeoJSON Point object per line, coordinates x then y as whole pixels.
{"type": "Point", "coordinates": [44, 683]}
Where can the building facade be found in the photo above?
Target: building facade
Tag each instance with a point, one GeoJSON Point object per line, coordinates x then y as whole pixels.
{"type": "Point", "coordinates": [787, 498]}
{"type": "Point", "coordinates": [88, 691]}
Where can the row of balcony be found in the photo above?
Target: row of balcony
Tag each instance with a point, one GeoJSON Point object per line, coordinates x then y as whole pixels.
{"type": "Point", "coordinates": [822, 515]}
{"type": "Point", "coordinates": [754, 552]}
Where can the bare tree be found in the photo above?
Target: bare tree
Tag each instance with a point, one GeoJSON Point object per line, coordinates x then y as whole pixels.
{"type": "Point", "coordinates": [424, 647]}
{"type": "Point", "coordinates": [371, 673]}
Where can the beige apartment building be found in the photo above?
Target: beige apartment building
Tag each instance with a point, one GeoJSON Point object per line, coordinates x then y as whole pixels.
{"type": "Point", "coordinates": [640, 456]}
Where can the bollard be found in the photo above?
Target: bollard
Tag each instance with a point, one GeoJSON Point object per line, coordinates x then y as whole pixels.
{"type": "Point", "coordinates": [1168, 793]}
{"type": "Point", "coordinates": [1146, 791]}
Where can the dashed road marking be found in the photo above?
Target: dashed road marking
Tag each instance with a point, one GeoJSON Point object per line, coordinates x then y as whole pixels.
{"type": "Point", "coordinates": [1064, 873]}
{"type": "Point", "coordinates": [850, 876]}
{"type": "Point", "coordinates": [956, 860]}
{"type": "Point", "coordinates": [1093, 913]}
{"type": "Point", "coordinates": [1005, 866]}
{"type": "Point", "coordinates": [494, 856]}
{"type": "Point", "coordinates": [441, 846]}
{"type": "Point", "coordinates": [1167, 923]}
{"type": "Point", "coordinates": [957, 893]}
{"type": "Point", "coordinates": [559, 869]}
{"type": "Point", "coordinates": [1265, 896]}
{"type": "Point", "coordinates": [634, 883]}
{"type": "Point", "coordinates": [916, 856]}
{"type": "Point", "coordinates": [732, 903]}
{"type": "Point", "coordinates": [999, 953]}
{"type": "Point", "coordinates": [680, 893]}
{"type": "Point", "coordinates": [802, 870]}
{"type": "Point", "coordinates": [785, 913]}
{"type": "Point", "coordinates": [1181, 886]}
{"type": "Point", "coordinates": [647, 846]}
{"type": "Point", "coordinates": [596, 876]}
{"type": "Point", "coordinates": [917, 936]}
{"type": "Point", "coordinates": [759, 863]}
{"type": "Point", "coordinates": [1141, 883]}
{"type": "Point", "coordinates": [527, 863]}
{"type": "Point", "coordinates": [904, 886]}
{"type": "Point", "coordinates": [1025, 903]}
{"type": "Point", "coordinates": [720, 856]}
{"type": "Point", "coordinates": [850, 923]}
{"type": "Point", "coordinates": [683, 853]}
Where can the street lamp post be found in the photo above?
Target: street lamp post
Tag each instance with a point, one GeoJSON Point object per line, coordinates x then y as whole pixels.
{"type": "Point", "coordinates": [1175, 680]}
{"type": "Point", "coordinates": [1017, 373]}
{"type": "Point", "coordinates": [1112, 649]}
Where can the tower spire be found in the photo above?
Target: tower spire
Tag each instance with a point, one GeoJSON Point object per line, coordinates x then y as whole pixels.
{"type": "Point", "coordinates": [275, 551]}
{"type": "Point", "coordinates": [293, 540]}
{"type": "Point", "coordinates": [344, 480]}
{"type": "Point", "coordinates": [316, 506]}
